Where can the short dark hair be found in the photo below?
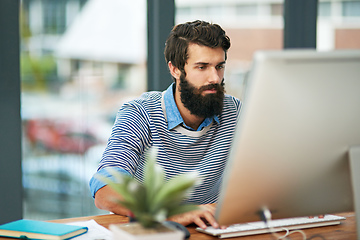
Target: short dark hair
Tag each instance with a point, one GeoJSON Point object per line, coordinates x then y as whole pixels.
{"type": "Point", "coordinates": [198, 32]}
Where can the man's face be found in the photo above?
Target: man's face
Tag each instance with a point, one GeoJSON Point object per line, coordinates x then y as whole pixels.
{"type": "Point", "coordinates": [202, 89]}
{"type": "Point", "coordinates": [200, 103]}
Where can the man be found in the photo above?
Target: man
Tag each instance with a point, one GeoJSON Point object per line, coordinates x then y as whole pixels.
{"type": "Point", "coordinates": [192, 123]}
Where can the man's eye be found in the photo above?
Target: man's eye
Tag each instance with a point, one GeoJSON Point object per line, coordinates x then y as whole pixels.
{"type": "Point", "coordinates": [220, 67]}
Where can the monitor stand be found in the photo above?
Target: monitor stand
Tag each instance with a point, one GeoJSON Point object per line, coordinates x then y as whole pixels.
{"type": "Point", "coordinates": [354, 158]}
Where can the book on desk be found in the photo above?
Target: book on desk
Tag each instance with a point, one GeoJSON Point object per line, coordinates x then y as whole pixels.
{"type": "Point", "coordinates": [32, 229]}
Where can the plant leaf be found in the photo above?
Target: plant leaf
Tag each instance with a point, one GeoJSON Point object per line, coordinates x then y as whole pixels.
{"type": "Point", "coordinates": [182, 209]}
{"type": "Point", "coordinates": [154, 176]}
{"type": "Point", "coordinates": [121, 189]}
{"type": "Point", "coordinates": [179, 184]}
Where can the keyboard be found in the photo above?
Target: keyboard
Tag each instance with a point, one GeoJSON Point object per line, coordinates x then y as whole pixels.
{"type": "Point", "coordinates": [277, 225]}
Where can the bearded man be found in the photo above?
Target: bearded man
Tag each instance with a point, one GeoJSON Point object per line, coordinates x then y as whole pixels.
{"type": "Point", "coordinates": [192, 123]}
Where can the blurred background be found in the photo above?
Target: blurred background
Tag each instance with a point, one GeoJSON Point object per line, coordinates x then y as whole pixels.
{"type": "Point", "coordinates": [81, 59]}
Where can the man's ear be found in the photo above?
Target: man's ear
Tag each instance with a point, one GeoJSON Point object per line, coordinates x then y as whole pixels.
{"type": "Point", "coordinates": [174, 71]}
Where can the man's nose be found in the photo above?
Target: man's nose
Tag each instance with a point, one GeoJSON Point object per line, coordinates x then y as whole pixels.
{"type": "Point", "coordinates": [214, 76]}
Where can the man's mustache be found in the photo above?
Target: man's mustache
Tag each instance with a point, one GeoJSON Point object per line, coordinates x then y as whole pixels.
{"type": "Point", "coordinates": [212, 86]}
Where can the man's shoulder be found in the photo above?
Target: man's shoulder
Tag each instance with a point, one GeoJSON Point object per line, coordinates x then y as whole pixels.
{"type": "Point", "coordinates": [150, 96]}
{"type": "Point", "coordinates": [232, 98]}
{"type": "Point", "coordinates": [147, 105]}
{"type": "Point", "coordinates": [232, 102]}
{"type": "Point", "coordinates": [147, 98]}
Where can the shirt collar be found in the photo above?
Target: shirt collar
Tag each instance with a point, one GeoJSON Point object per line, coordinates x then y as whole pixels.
{"type": "Point", "coordinates": [173, 115]}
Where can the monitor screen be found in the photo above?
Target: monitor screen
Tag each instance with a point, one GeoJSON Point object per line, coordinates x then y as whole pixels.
{"type": "Point", "coordinates": [300, 117]}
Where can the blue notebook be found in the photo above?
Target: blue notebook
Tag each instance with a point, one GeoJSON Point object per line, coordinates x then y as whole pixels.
{"type": "Point", "coordinates": [31, 229]}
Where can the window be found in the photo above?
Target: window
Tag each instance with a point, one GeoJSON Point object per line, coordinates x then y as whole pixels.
{"type": "Point", "coordinates": [246, 9]}
{"type": "Point", "coordinates": [251, 26]}
{"type": "Point", "coordinates": [276, 9]}
{"type": "Point", "coordinates": [324, 9]}
{"type": "Point", "coordinates": [338, 25]}
{"type": "Point", "coordinates": [76, 70]}
{"type": "Point", "coordinates": [351, 8]}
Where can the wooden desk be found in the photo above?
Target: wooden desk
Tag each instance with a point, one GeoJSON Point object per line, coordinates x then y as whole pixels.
{"type": "Point", "coordinates": [346, 230]}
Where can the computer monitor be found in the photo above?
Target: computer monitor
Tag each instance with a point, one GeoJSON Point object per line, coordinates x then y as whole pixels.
{"type": "Point", "coordinates": [299, 119]}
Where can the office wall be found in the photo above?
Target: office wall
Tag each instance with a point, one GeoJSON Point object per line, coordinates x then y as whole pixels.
{"type": "Point", "coordinates": [10, 124]}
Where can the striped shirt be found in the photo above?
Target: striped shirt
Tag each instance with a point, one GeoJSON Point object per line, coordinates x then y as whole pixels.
{"type": "Point", "coordinates": [149, 121]}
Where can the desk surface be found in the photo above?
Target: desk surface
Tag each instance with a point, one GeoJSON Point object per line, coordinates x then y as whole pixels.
{"type": "Point", "coordinates": [346, 230]}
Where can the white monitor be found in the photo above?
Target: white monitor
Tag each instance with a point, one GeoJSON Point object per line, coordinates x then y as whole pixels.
{"type": "Point", "coordinates": [300, 117]}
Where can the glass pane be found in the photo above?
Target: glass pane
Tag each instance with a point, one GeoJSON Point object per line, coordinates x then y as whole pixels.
{"type": "Point", "coordinates": [277, 9]}
{"type": "Point", "coordinates": [251, 25]}
{"type": "Point", "coordinates": [338, 25]}
{"type": "Point", "coordinates": [246, 9]}
{"type": "Point", "coordinates": [80, 60]}
{"type": "Point", "coordinates": [324, 9]}
{"type": "Point", "coordinates": [351, 8]}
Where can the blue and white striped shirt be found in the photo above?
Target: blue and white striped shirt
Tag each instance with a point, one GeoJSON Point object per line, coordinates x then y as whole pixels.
{"type": "Point", "coordinates": [154, 120]}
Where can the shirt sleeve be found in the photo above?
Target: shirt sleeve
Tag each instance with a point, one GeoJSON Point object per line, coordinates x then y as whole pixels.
{"type": "Point", "coordinates": [96, 184]}
{"type": "Point", "coordinates": [130, 137]}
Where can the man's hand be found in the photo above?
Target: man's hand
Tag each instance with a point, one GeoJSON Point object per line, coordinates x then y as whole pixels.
{"type": "Point", "coordinates": [201, 217]}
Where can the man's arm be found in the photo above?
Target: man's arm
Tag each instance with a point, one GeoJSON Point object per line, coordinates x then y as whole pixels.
{"type": "Point", "coordinates": [105, 199]}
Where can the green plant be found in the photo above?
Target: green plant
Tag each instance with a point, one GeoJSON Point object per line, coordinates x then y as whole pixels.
{"type": "Point", "coordinates": [157, 199]}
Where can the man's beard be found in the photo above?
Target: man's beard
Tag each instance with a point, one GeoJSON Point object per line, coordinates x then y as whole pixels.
{"type": "Point", "coordinates": [199, 105]}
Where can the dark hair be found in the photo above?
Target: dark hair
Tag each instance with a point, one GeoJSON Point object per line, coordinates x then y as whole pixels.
{"type": "Point", "coordinates": [199, 32]}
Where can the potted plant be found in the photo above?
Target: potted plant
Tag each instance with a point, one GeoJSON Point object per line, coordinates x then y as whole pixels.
{"type": "Point", "coordinates": [152, 202]}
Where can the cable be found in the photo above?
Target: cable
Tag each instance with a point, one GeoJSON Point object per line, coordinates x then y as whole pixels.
{"type": "Point", "coordinates": [292, 232]}
{"type": "Point", "coordinates": [265, 215]}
